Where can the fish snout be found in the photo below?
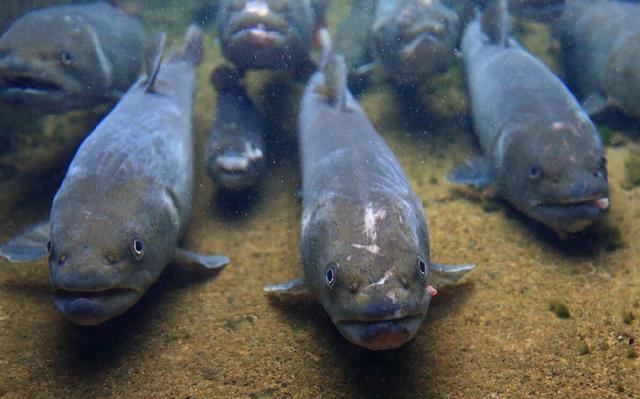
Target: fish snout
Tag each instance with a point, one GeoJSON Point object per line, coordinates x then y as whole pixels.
{"type": "Point", "coordinates": [236, 170]}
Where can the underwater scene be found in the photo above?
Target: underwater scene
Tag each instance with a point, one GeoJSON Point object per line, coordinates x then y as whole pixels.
{"type": "Point", "coordinates": [319, 199]}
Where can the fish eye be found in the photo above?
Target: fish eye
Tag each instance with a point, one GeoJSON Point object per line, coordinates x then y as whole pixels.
{"type": "Point", "coordinates": [66, 58]}
{"type": "Point", "coordinates": [137, 249]}
{"type": "Point", "coordinates": [534, 172]}
{"type": "Point", "coordinates": [49, 247]}
{"type": "Point", "coordinates": [422, 267]}
{"type": "Point", "coordinates": [330, 276]}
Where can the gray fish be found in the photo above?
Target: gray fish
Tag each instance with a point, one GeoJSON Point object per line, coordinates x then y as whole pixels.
{"type": "Point", "coordinates": [601, 46]}
{"type": "Point", "coordinates": [414, 39]}
{"type": "Point", "coordinates": [257, 34]}
{"type": "Point", "coordinates": [533, 10]}
{"type": "Point", "coordinates": [365, 245]}
{"type": "Point", "coordinates": [69, 57]}
{"type": "Point", "coordinates": [541, 151]}
{"type": "Point", "coordinates": [126, 198]}
{"type": "Point", "coordinates": [235, 149]}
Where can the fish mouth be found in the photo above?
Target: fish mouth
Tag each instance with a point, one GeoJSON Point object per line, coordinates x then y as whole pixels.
{"type": "Point", "coordinates": [91, 307]}
{"type": "Point", "coordinates": [260, 31]}
{"type": "Point", "coordinates": [381, 334]}
{"type": "Point", "coordinates": [599, 203]}
{"type": "Point", "coordinates": [28, 84]}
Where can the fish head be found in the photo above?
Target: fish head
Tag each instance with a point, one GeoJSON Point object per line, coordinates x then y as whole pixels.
{"type": "Point", "coordinates": [273, 34]}
{"type": "Point", "coordinates": [416, 38]}
{"type": "Point", "coordinates": [51, 63]}
{"type": "Point", "coordinates": [557, 174]}
{"type": "Point", "coordinates": [107, 248]}
{"type": "Point", "coordinates": [369, 268]}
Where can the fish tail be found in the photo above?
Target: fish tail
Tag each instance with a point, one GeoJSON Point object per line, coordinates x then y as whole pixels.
{"type": "Point", "coordinates": [494, 21]}
{"type": "Point", "coordinates": [193, 45]}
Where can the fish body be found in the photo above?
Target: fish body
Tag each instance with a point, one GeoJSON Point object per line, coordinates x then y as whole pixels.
{"type": "Point", "coordinates": [364, 239]}
{"type": "Point", "coordinates": [261, 34]}
{"type": "Point", "coordinates": [541, 151]}
{"type": "Point", "coordinates": [415, 38]}
{"type": "Point", "coordinates": [601, 46]}
{"type": "Point", "coordinates": [126, 199]}
{"type": "Point", "coordinates": [68, 57]}
{"type": "Point", "coordinates": [235, 156]}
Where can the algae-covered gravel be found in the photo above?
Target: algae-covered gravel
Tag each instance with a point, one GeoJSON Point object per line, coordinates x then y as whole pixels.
{"type": "Point", "coordinates": [493, 336]}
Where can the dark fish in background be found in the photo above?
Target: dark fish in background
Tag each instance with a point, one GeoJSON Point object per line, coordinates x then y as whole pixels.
{"type": "Point", "coordinates": [354, 42]}
{"type": "Point", "coordinates": [414, 39]}
{"type": "Point", "coordinates": [365, 245]}
{"type": "Point", "coordinates": [125, 201]}
{"type": "Point", "coordinates": [261, 34]}
{"type": "Point", "coordinates": [601, 46]}
{"type": "Point", "coordinates": [541, 151]}
{"type": "Point", "coordinates": [235, 149]}
{"type": "Point", "coordinates": [69, 57]}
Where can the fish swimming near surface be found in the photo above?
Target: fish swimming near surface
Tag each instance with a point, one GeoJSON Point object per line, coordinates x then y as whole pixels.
{"type": "Point", "coordinates": [235, 154]}
{"type": "Point", "coordinates": [541, 152]}
{"type": "Point", "coordinates": [601, 47]}
{"type": "Point", "coordinates": [261, 34]}
{"type": "Point", "coordinates": [414, 39]}
{"type": "Point", "coordinates": [69, 57]}
{"type": "Point", "coordinates": [125, 201]}
{"type": "Point", "coordinates": [364, 240]}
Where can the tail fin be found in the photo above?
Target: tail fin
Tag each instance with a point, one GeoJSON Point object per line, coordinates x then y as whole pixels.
{"type": "Point", "coordinates": [192, 48]}
{"type": "Point", "coordinates": [494, 21]}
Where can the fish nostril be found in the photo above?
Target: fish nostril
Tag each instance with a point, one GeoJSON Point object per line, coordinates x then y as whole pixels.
{"type": "Point", "coordinates": [354, 286]}
{"type": "Point", "coordinates": [403, 280]}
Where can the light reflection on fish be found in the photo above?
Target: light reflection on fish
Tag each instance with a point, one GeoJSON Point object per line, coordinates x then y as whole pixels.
{"type": "Point", "coordinates": [69, 57]}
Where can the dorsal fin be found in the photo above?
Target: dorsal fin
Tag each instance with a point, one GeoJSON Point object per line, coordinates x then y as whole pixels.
{"type": "Point", "coordinates": [157, 62]}
{"type": "Point", "coordinates": [334, 69]}
{"type": "Point", "coordinates": [494, 21]}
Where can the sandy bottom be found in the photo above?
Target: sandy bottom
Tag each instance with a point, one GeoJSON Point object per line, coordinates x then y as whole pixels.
{"type": "Point", "coordinates": [496, 335]}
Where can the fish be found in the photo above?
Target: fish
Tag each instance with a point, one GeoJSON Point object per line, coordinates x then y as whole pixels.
{"type": "Point", "coordinates": [235, 154]}
{"type": "Point", "coordinates": [532, 10]}
{"type": "Point", "coordinates": [62, 58]}
{"type": "Point", "coordinates": [415, 39]}
{"type": "Point", "coordinates": [125, 201]}
{"type": "Point", "coordinates": [364, 239]}
{"type": "Point", "coordinates": [261, 34]}
{"type": "Point", "coordinates": [599, 41]}
{"type": "Point", "coordinates": [541, 152]}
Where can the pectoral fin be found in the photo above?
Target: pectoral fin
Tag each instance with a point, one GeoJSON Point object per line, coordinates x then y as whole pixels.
{"type": "Point", "coordinates": [29, 246]}
{"type": "Point", "coordinates": [294, 289]}
{"type": "Point", "coordinates": [443, 275]}
{"type": "Point", "coordinates": [476, 173]}
{"type": "Point", "coordinates": [198, 262]}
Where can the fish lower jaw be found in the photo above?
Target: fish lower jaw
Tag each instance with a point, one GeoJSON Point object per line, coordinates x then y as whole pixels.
{"type": "Point", "coordinates": [91, 307]}
{"type": "Point", "coordinates": [600, 203]}
{"type": "Point", "coordinates": [381, 334]}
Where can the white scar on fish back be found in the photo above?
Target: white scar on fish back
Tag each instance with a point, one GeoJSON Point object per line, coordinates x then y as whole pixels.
{"type": "Point", "coordinates": [374, 249]}
{"type": "Point", "coordinates": [370, 220]}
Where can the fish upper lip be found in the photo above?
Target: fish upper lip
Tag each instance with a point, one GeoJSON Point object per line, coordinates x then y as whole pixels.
{"type": "Point", "coordinates": [267, 24]}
